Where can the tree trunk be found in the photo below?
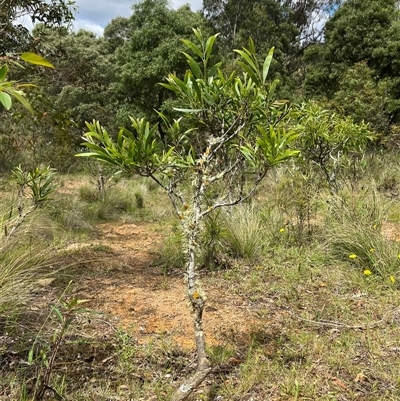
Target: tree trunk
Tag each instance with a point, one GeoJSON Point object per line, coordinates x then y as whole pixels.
{"type": "Point", "coordinates": [197, 301]}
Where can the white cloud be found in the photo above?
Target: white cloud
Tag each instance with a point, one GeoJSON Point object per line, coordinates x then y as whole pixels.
{"type": "Point", "coordinates": [195, 5]}
{"type": "Point", "coordinates": [88, 26]}
{"type": "Point", "coordinates": [94, 15]}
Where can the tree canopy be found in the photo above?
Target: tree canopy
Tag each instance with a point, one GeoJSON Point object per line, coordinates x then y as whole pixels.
{"type": "Point", "coordinates": [14, 35]}
{"type": "Point", "coordinates": [147, 46]}
{"type": "Point", "coordinates": [345, 52]}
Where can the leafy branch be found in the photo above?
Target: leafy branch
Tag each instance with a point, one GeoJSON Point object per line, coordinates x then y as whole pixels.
{"type": "Point", "coordinates": [14, 89]}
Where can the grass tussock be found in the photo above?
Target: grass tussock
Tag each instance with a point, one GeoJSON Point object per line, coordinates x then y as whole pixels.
{"type": "Point", "coordinates": [355, 232]}
{"type": "Point", "coordinates": [24, 255]}
{"type": "Point", "coordinates": [20, 269]}
{"type": "Point", "coordinates": [171, 254]}
{"type": "Point", "coordinates": [243, 232]}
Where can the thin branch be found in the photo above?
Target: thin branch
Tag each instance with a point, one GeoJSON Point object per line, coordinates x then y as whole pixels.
{"type": "Point", "coordinates": [365, 326]}
{"type": "Point", "coordinates": [173, 195]}
{"type": "Point", "coordinates": [226, 138]}
{"type": "Point", "coordinates": [223, 173]}
{"type": "Point", "coordinates": [19, 221]}
{"type": "Point", "coordinates": [238, 200]}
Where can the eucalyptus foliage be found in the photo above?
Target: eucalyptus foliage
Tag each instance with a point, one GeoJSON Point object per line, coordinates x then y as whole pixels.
{"type": "Point", "coordinates": [360, 31]}
{"type": "Point", "coordinates": [14, 36]}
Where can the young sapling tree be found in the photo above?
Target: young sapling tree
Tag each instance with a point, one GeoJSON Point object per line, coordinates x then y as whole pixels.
{"type": "Point", "coordinates": [213, 156]}
{"type": "Point", "coordinates": [37, 183]}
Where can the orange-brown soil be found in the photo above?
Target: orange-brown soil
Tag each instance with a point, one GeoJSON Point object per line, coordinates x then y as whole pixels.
{"type": "Point", "coordinates": [128, 284]}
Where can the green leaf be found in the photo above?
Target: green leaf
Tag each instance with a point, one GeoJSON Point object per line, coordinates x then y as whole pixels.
{"type": "Point", "coordinates": [272, 88]}
{"type": "Point", "coordinates": [193, 47]}
{"type": "Point", "coordinates": [250, 72]}
{"type": "Point", "coordinates": [30, 356]}
{"type": "Point", "coordinates": [245, 55]}
{"type": "Point", "coordinates": [214, 69]}
{"type": "Point", "coordinates": [170, 87]}
{"type": "Point", "coordinates": [58, 314]}
{"type": "Point", "coordinates": [36, 59]}
{"type": "Point", "coordinates": [21, 99]}
{"type": "Point", "coordinates": [68, 323]}
{"type": "Point", "coordinates": [3, 72]}
{"type": "Point", "coordinates": [188, 110]}
{"type": "Point", "coordinates": [209, 45]}
{"type": "Point", "coordinates": [252, 47]}
{"type": "Point", "coordinates": [197, 33]}
{"type": "Point", "coordinates": [180, 85]}
{"type": "Point", "coordinates": [267, 64]}
{"type": "Point", "coordinates": [193, 65]}
{"type": "Point", "coordinates": [198, 91]}
{"type": "Point", "coordinates": [249, 155]}
{"type": "Point", "coordinates": [19, 65]}
{"type": "Point", "coordinates": [5, 100]}
{"type": "Point", "coordinates": [27, 86]}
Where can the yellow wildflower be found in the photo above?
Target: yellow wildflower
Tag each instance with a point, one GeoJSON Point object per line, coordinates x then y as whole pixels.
{"type": "Point", "coordinates": [352, 256]}
{"type": "Point", "coordinates": [392, 279]}
{"type": "Point", "coordinates": [282, 230]}
{"type": "Point", "coordinates": [367, 272]}
{"type": "Point", "coordinates": [372, 250]}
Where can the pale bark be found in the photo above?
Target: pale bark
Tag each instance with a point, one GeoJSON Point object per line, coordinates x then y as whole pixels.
{"type": "Point", "coordinates": [191, 227]}
{"type": "Point", "coordinates": [203, 365]}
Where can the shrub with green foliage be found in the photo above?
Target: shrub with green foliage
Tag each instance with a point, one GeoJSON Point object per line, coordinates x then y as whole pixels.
{"type": "Point", "coordinates": [363, 98]}
{"type": "Point", "coordinates": [326, 138]}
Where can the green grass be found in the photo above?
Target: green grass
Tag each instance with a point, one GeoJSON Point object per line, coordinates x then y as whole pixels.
{"type": "Point", "coordinates": [325, 330]}
{"type": "Point", "coordinates": [354, 233]}
{"type": "Point", "coordinates": [318, 332]}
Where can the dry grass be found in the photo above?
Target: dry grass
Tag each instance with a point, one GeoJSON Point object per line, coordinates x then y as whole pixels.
{"type": "Point", "coordinates": [243, 235]}
{"type": "Point", "coordinates": [24, 255]}
{"type": "Point", "coordinates": [326, 330]}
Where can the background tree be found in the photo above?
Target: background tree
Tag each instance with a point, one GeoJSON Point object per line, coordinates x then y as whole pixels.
{"type": "Point", "coordinates": [364, 98]}
{"type": "Point", "coordinates": [84, 76]}
{"type": "Point", "coordinates": [12, 143]}
{"type": "Point", "coordinates": [288, 25]}
{"type": "Point", "coordinates": [15, 37]}
{"type": "Point", "coordinates": [233, 140]}
{"type": "Point", "coordinates": [80, 87]}
{"type": "Point", "coordinates": [305, 17]}
{"type": "Point", "coordinates": [147, 47]}
{"type": "Point", "coordinates": [268, 22]}
{"type": "Point", "coordinates": [359, 31]}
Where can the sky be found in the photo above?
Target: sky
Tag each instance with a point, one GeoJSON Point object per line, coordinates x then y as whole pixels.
{"type": "Point", "coordinates": [94, 15]}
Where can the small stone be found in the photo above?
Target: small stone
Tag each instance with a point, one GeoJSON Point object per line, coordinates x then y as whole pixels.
{"type": "Point", "coordinates": [124, 387]}
{"type": "Point", "coordinates": [44, 282]}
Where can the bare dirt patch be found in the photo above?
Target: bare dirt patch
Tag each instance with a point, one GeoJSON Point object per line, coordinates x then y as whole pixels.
{"type": "Point", "coordinates": [128, 283]}
{"type": "Point", "coordinates": [391, 231]}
